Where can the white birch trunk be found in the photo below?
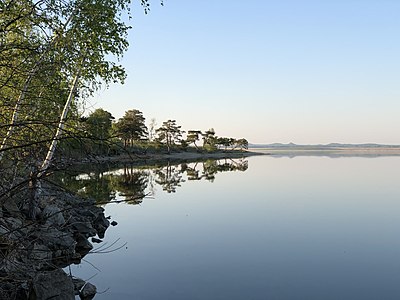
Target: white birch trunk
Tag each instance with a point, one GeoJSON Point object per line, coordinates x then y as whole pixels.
{"type": "Point", "coordinates": [27, 83]}
{"type": "Point", "coordinates": [50, 153]}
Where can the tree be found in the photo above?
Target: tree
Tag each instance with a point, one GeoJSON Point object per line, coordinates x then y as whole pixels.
{"type": "Point", "coordinates": [152, 129]}
{"type": "Point", "coordinates": [209, 140]}
{"type": "Point", "coordinates": [169, 133]}
{"type": "Point", "coordinates": [242, 144]}
{"type": "Point", "coordinates": [53, 54]}
{"type": "Point", "coordinates": [192, 137]}
{"type": "Point", "coordinates": [131, 127]}
{"type": "Point", "coordinates": [98, 126]}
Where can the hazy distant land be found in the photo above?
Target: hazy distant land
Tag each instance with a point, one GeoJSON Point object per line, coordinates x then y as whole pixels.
{"type": "Point", "coordinates": [332, 149]}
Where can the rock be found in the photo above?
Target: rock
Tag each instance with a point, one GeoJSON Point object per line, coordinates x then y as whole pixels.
{"type": "Point", "coordinates": [14, 223]}
{"type": "Point", "coordinates": [94, 240]}
{"type": "Point", "coordinates": [3, 231]}
{"type": "Point", "coordinates": [11, 207]}
{"type": "Point", "coordinates": [53, 285]}
{"type": "Point", "coordinates": [53, 216]}
{"type": "Point", "coordinates": [101, 224]}
{"type": "Point", "coordinates": [14, 227]}
{"type": "Point", "coordinates": [83, 246]}
{"type": "Point", "coordinates": [78, 285]}
{"type": "Point", "coordinates": [114, 223]}
{"type": "Point", "coordinates": [41, 253]}
{"type": "Point", "coordinates": [56, 239]}
{"type": "Point", "coordinates": [88, 291]}
{"type": "Point", "coordinates": [84, 228]}
{"type": "Point", "coordinates": [87, 213]}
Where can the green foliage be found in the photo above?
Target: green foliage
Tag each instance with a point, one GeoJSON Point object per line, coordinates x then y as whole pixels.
{"type": "Point", "coordinates": [131, 127]}
{"type": "Point", "coordinates": [192, 137]}
{"type": "Point", "coordinates": [169, 133]}
{"type": "Point", "coordinates": [209, 140]}
{"type": "Point", "coordinates": [242, 144]}
{"type": "Point", "coordinates": [98, 124]}
{"type": "Point", "coordinates": [97, 127]}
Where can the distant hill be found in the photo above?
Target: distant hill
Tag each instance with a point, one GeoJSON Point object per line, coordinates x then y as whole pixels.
{"type": "Point", "coordinates": [321, 146]}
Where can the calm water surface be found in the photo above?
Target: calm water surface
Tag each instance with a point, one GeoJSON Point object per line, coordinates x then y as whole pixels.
{"type": "Point", "coordinates": [286, 228]}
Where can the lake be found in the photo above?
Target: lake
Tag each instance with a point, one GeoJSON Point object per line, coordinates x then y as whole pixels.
{"type": "Point", "coordinates": [307, 227]}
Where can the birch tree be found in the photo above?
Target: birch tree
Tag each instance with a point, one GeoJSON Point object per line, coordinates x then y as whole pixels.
{"type": "Point", "coordinates": [53, 54]}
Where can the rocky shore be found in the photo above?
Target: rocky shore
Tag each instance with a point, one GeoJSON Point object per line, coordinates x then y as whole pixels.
{"type": "Point", "coordinates": [34, 253]}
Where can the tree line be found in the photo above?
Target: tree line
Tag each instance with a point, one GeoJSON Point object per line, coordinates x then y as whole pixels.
{"type": "Point", "coordinates": [54, 54]}
{"type": "Point", "coordinates": [131, 131]}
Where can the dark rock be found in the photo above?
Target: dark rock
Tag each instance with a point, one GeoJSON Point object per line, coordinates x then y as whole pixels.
{"type": "Point", "coordinates": [114, 223]}
{"type": "Point", "coordinates": [53, 285]}
{"type": "Point", "coordinates": [11, 208]}
{"type": "Point", "coordinates": [40, 253]}
{"type": "Point", "coordinates": [101, 224]}
{"type": "Point", "coordinates": [53, 216]}
{"type": "Point", "coordinates": [14, 223]}
{"type": "Point", "coordinates": [88, 214]}
{"type": "Point", "coordinates": [78, 285]}
{"type": "Point", "coordinates": [83, 246]}
{"type": "Point", "coordinates": [88, 291]}
{"type": "Point", "coordinates": [94, 240]}
{"type": "Point", "coordinates": [84, 228]}
{"type": "Point", "coordinates": [56, 239]}
{"type": "Point", "coordinates": [15, 227]}
{"type": "Point", "coordinates": [37, 251]}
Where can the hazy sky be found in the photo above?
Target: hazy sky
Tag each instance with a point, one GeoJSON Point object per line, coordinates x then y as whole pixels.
{"type": "Point", "coordinates": [270, 71]}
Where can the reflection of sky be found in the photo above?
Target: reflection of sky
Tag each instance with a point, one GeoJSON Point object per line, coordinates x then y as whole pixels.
{"type": "Point", "coordinates": [301, 228]}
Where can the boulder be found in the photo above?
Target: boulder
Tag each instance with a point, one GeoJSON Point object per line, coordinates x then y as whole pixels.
{"type": "Point", "coordinates": [78, 285]}
{"type": "Point", "coordinates": [41, 253]}
{"type": "Point", "coordinates": [88, 291]}
{"type": "Point", "coordinates": [56, 239]}
{"type": "Point", "coordinates": [95, 240]}
{"type": "Point", "coordinates": [83, 246]}
{"type": "Point", "coordinates": [55, 285]}
{"type": "Point", "coordinates": [53, 216]}
{"type": "Point", "coordinates": [11, 207]}
{"type": "Point", "coordinates": [84, 228]}
{"type": "Point", "coordinates": [101, 224]}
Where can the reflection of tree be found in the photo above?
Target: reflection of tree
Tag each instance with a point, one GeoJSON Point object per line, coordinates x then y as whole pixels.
{"type": "Point", "coordinates": [92, 184]}
{"type": "Point", "coordinates": [212, 167]}
{"type": "Point", "coordinates": [131, 184]}
{"type": "Point", "coordinates": [192, 173]}
{"type": "Point", "coordinates": [99, 188]}
{"type": "Point", "coordinates": [170, 177]}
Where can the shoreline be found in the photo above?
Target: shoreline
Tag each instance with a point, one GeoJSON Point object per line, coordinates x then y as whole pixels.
{"type": "Point", "coordinates": [153, 158]}
{"type": "Point", "coordinates": [330, 152]}
{"type": "Point", "coordinates": [192, 156]}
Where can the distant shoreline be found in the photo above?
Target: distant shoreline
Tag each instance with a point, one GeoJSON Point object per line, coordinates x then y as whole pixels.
{"type": "Point", "coordinates": [329, 151]}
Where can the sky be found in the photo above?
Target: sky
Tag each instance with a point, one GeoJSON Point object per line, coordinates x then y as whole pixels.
{"type": "Point", "coordinates": [306, 72]}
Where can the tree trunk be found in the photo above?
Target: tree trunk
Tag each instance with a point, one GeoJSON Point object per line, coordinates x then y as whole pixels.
{"type": "Point", "coordinates": [50, 153]}
{"type": "Point", "coordinates": [21, 97]}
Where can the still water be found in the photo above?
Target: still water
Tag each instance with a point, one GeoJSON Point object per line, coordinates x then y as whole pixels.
{"type": "Point", "coordinates": [269, 228]}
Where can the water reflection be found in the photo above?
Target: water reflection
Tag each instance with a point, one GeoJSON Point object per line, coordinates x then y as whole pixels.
{"type": "Point", "coordinates": [132, 183]}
